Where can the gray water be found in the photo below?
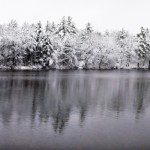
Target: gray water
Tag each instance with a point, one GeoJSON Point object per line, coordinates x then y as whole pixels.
{"type": "Point", "coordinates": [71, 110]}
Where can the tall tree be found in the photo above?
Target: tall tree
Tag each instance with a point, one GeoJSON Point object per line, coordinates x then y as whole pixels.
{"type": "Point", "coordinates": [143, 50]}
{"type": "Point", "coordinates": [38, 42]}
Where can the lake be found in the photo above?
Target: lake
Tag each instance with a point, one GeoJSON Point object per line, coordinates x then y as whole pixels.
{"type": "Point", "coordinates": [75, 110]}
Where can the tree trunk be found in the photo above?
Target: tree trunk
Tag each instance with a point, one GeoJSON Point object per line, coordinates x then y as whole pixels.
{"type": "Point", "coordinates": [138, 65]}
{"type": "Point", "coordinates": [100, 62]}
{"type": "Point", "coordinates": [149, 64]}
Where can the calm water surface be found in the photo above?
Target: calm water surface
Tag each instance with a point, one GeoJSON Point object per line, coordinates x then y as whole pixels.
{"type": "Point", "coordinates": [85, 110]}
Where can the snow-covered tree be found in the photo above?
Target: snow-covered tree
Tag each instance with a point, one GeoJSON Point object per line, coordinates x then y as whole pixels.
{"type": "Point", "coordinates": [10, 45]}
{"type": "Point", "coordinates": [85, 46]}
{"type": "Point", "coordinates": [47, 50]}
{"type": "Point", "coordinates": [64, 46]}
{"type": "Point", "coordinates": [38, 43]}
{"type": "Point", "coordinates": [50, 28]}
{"type": "Point", "coordinates": [28, 43]}
{"type": "Point", "coordinates": [66, 28]}
{"type": "Point", "coordinates": [67, 33]}
{"type": "Point", "coordinates": [143, 50]}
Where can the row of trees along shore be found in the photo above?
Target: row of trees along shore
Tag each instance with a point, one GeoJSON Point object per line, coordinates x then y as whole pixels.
{"type": "Point", "coordinates": [64, 46]}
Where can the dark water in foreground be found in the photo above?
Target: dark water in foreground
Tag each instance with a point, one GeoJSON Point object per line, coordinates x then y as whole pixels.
{"type": "Point", "coordinates": [75, 110]}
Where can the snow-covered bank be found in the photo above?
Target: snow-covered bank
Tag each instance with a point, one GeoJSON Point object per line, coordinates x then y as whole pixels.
{"type": "Point", "coordinates": [39, 68]}
{"type": "Point", "coordinates": [21, 68]}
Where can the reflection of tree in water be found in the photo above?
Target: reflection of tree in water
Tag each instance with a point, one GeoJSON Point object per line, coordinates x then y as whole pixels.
{"type": "Point", "coordinates": [34, 105]}
{"type": "Point", "coordinates": [141, 89]}
{"type": "Point", "coordinates": [128, 90]}
{"type": "Point", "coordinates": [49, 101]}
{"type": "Point", "coordinates": [60, 118]}
{"type": "Point", "coordinates": [6, 107]}
{"type": "Point", "coordinates": [118, 104]}
{"type": "Point", "coordinates": [83, 113]}
{"type": "Point", "coordinates": [139, 99]}
{"type": "Point", "coordinates": [53, 99]}
{"type": "Point", "coordinates": [119, 92]}
{"type": "Point", "coordinates": [83, 96]}
{"type": "Point", "coordinates": [62, 105]}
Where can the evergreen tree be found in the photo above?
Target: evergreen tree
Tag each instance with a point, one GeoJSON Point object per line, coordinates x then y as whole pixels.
{"type": "Point", "coordinates": [50, 28]}
{"type": "Point", "coordinates": [88, 30]}
{"type": "Point", "coordinates": [28, 44]}
{"type": "Point", "coordinates": [86, 45]}
{"type": "Point", "coordinates": [68, 34]}
{"type": "Point", "coordinates": [66, 28]}
{"type": "Point", "coordinates": [67, 56]}
{"type": "Point", "coordinates": [47, 49]}
{"type": "Point", "coordinates": [143, 49]}
{"type": "Point", "coordinates": [122, 39]}
{"type": "Point", "coordinates": [38, 42]}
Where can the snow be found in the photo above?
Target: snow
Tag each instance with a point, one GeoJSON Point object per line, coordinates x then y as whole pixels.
{"type": "Point", "coordinates": [37, 67]}
{"type": "Point", "coordinates": [64, 46]}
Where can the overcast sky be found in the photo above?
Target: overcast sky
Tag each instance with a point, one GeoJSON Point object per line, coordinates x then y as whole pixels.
{"type": "Point", "coordinates": [103, 14]}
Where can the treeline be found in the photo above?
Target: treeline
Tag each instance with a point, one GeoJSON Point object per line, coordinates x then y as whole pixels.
{"type": "Point", "coordinates": [64, 46]}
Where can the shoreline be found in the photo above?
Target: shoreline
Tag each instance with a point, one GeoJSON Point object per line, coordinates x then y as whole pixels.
{"type": "Point", "coordinates": [39, 68]}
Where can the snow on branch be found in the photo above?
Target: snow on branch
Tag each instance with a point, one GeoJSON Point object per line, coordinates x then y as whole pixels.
{"type": "Point", "coordinates": [64, 46]}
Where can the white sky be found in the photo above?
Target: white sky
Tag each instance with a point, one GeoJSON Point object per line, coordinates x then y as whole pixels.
{"type": "Point", "coordinates": [103, 14]}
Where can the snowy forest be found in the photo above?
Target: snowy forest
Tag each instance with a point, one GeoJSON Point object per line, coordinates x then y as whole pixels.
{"type": "Point", "coordinates": [64, 46]}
